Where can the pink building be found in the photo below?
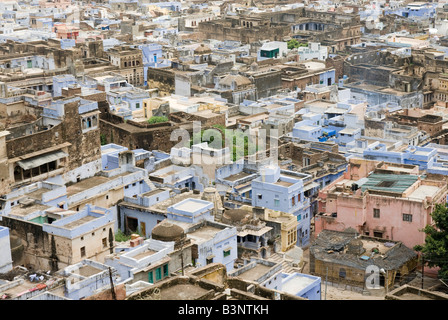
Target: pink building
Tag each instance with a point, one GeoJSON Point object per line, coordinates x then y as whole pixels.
{"type": "Point", "coordinates": [389, 201]}
{"type": "Point", "coordinates": [64, 31]}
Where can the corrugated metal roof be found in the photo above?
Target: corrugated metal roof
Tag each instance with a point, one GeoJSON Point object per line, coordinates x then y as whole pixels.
{"type": "Point", "coordinates": [389, 182]}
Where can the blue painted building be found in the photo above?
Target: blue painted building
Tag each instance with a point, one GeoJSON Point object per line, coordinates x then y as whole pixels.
{"type": "Point", "coordinates": [87, 278]}
{"type": "Point", "coordinates": [191, 211]}
{"type": "Point", "coordinates": [263, 272]}
{"type": "Point", "coordinates": [282, 190]}
{"type": "Point", "coordinates": [148, 261]}
{"type": "Point", "coordinates": [302, 285]}
{"type": "Point", "coordinates": [216, 243]}
{"type": "Point", "coordinates": [62, 81]}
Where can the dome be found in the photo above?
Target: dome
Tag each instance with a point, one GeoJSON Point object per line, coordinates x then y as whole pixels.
{"type": "Point", "coordinates": [238, 80]}
{"type": "Point", "coordinates": [254, 66]}
{"type": "Point", "coordinates": [235, 215]}
{"type": "Point", "coordinates": [202, 49]}
{"type": "Point", "coordinates": [167, 231]}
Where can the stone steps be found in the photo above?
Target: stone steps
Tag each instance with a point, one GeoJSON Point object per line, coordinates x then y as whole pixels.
{"type": "Point", "coordinates": [286, 265]}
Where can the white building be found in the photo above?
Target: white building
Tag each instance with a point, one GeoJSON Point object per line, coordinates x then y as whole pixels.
{"type": "Point", "coordinates": [314, 51]}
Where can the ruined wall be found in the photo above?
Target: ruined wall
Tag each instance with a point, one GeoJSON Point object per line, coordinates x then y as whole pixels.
{"type": "Point", "coordinates": [268, 84]}
{"type": "Point", "coordinates": [337, 63]}
{"type": "Point", "coordinates": [36, 243]}
{"type": "Point", "coordinates": [35, 142]}
{"type": "Point", "coordinates": [85, 147]}
{"type": "Point", "coordinates": [374, 128]}
{"type": "Point", "coordinates": [158, 138]}
{"type": "Point", "coordinates": [218, 119]}
{"type": "Point", "coordinates": [162, 79]}
{"type": "Point", "coordinates": [220, 30]}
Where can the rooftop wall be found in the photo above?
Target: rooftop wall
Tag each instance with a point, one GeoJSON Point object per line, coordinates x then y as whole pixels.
{"type": "Point", "coordinates": [58, 226]}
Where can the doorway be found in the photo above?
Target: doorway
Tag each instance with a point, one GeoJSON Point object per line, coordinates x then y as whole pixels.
{"type": "Point", "coordinates": [131, 224]}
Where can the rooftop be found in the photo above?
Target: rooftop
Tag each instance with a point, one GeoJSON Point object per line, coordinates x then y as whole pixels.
{"type": "Point", "coordinates": [389, 182]}
{"type": "Point", "coordinates": [255, 273]}
{"type": "Point", "coordinates": [192, 205]}
{"type": "Point", "coordinates": [297, 283]}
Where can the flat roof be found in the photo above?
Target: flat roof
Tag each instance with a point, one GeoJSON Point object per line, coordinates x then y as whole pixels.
{"type": "Point", "coordinates": [255, 273]}
{"type": "Point", "coordinates": [79, 222]}
{"type": "Point", "coordinates": [85, 184]}
{"type": "Point", "coordinates": [297, 284]}
{"type": "Point", "coordinates": [190, 205]}
{"type": "Point", "coordinates": [284, 183]}
{"type": "Point", "coordinates": [87, 271]}
{"type": "Point", "coordinates": [204, 233]}
{"type": "Point", "coordinates": [91, 183]}
{"type": "Point", "coordinates": [424, 191]}
{"type": "Point", "coordinates": [182, 292]}
{"type": "Point", "coordinates": [152, 192]}
{"type": "Point", "coordinates": [237, 176]}
{"type": "Point", "coordinates": [18, 210]}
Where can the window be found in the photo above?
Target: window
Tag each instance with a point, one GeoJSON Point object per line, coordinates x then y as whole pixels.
{"type": "Point", "coordinates": [376, 213]}
{"type": "Point", "coordinates": [276, 202]}
{"type": "Point", "coordinates": [260, 196]}
{"type": "Point", "coordinates": [298, 198]}
{"type": "Point", "coordinates": [83, 252]}
{"type": "Point", "coordinates": [159, 274]}
{"type": "Point", "coordinates": [377, 234]}
{"type": "Point", "coordinates": [165, 270]}
{"type": "Point", "coordinates": [104, 242]}
{"type": "Point", "coordinates": [342, 273]}
{"type": "Point", "coordinates": [407, 217]}
{"type": "Point", "coordinates": [208, 261]}
{"type": "Point", "coordinates": [226, 253]}
{"type": "Point", "coordinates": [293, 201]}
{"type": "Point", "coordinates": [150, 277]}
{"type": "Point", "coordinates": [299, 217]}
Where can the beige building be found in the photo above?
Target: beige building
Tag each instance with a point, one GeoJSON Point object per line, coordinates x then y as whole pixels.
{"type": "Point", "coordinates": [288, 227]}
{"type": "Point", "coordinates": [130, 64]}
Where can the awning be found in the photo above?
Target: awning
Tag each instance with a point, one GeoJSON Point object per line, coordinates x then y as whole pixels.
{"type": "Point", "coordinates": [40, 160]}
{"type": "Point", "coordinates": [310, 186]}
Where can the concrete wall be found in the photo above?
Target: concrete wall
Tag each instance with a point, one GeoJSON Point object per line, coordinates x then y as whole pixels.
{"type": "Point", "coordinates": [5, 252]}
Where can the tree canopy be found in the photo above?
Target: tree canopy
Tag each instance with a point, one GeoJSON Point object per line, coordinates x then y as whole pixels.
{"type": "Point", "coordinates": [294, 43]}
{"type": "Point", "coordinates": [435, 248]}
{"type": "Point", "coordinates": [217, 135]}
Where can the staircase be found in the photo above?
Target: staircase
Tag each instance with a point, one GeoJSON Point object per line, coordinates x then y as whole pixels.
{"type": "Point", "coordinates": [286, 264]}
{"type": "Point", "coordinates": [149, 183]}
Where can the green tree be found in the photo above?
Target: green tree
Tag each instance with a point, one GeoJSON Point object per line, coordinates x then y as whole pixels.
{"type": "Point", "coordinates": [294, 43]}
{"type": "Point", "coordinates": [435, 249]}
{"type": "Point", "coordinates": [250, 146]}
{"type": "Point", "coordinates": [155, 119]}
